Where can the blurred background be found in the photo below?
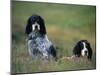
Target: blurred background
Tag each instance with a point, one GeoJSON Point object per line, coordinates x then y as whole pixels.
{"type": "Point", "coordinates": [66, 24]}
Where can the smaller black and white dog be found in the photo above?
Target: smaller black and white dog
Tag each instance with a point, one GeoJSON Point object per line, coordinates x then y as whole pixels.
{"type": "Point", "coordinates": [83, 48]}
{"type": "Point", "coordinates": [37, 41]}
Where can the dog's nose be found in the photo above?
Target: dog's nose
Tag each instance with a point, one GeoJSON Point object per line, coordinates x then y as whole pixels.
{"type": "Point", "coordinates": [36, 27]}
{"type": "Point", "coordinates": [85, 52]}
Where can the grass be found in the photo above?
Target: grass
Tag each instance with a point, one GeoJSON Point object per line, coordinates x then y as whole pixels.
{"type": "Point", "coordinates": [65, 25]}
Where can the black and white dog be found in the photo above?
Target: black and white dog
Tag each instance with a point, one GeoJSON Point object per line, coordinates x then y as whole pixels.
{"type": "Point", "coordinates": [83, 48]}
{"type": "Point", "coordinates": [37, 40]}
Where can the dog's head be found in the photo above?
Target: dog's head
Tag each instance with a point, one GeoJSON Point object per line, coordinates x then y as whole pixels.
{"type": "Point", "coordinates": [83, 48]}
{"type": "Point", "coordinates": [35, 23]}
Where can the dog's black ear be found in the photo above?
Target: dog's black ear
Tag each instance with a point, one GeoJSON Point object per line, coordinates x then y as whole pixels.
{"type": "Point", "coordinates": [90, 51]}
{"type": "Point", "coordinates": [28, 27]}
{"type": "Point", "coordinates": [42, 25]}
{"type": "Point", "coordinates": [77, 49]}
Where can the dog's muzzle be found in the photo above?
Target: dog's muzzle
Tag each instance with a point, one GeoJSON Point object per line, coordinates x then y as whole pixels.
{"type": "Point", "coordinates": [35, 26]}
